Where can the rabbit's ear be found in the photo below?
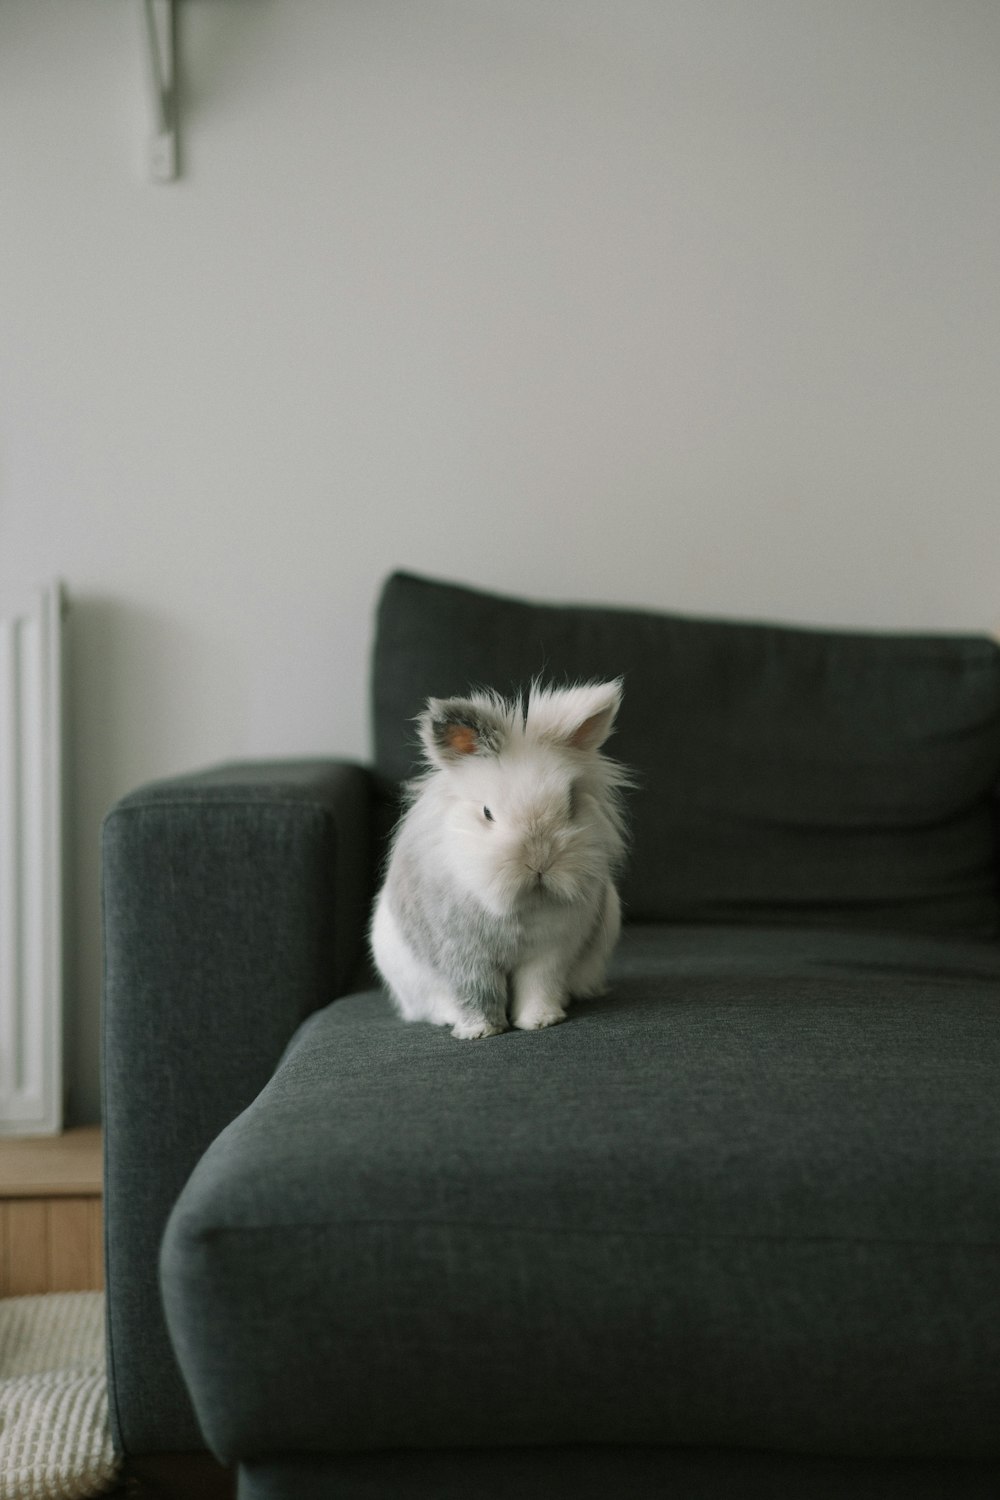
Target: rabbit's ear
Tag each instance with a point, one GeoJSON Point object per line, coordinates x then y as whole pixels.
{"type": "Point", "coordinates": [580, 718]}
{"type": "Point", "coordinates": [452, 729]}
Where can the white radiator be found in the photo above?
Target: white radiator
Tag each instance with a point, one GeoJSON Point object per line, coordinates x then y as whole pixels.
{"type": "Point", "coordinates": [31, 904]}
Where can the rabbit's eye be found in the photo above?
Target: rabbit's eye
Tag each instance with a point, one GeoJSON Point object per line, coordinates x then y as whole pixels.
{"type": "Point", "coordinates": [487, 815]}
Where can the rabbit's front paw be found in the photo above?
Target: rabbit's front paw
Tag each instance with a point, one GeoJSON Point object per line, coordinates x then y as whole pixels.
{"type": "Point", "coordinates": [472, 1029]}
{"type": "Point", "coordinates": [538, 1012]}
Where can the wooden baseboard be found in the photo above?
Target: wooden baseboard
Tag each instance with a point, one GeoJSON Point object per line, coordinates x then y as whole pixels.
{"type": "Point", "coordinates": [50, 1245]}
{"type": "Point", "coordinates": [51, 1236]}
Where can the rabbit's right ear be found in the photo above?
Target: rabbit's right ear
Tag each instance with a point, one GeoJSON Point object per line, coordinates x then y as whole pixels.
{"type": "Point", "coordinates": [451, 729]}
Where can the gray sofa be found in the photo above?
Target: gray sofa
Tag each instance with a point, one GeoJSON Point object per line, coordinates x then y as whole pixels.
{"type": "Point", "coordinates": [732, 1230]}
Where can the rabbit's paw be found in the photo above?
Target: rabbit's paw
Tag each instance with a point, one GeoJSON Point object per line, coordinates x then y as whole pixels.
{"type": "Point", "coordinates": [471, 1029]}
{"type": "Point", "coordinates": [536, 1013]}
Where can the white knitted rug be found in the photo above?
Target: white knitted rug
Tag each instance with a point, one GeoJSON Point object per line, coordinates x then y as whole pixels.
{"type": "Point", "coordinates": [55, 1443]}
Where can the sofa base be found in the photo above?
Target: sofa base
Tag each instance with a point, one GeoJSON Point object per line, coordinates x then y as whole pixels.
{"type": "Point", "coordinates": [599, 1472]}
{"type": "Point", "coordinates": [178, 1476]}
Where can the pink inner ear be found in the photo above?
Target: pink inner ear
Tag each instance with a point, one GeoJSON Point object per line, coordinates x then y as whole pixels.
{"type": "Point", "coordinates": [461, 738]}
{"type": "Point", "coordinates": [590, 732]}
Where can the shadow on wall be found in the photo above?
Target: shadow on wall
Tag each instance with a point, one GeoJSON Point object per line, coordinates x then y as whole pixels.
{"type": "Point", "coordinates": [141, 703]}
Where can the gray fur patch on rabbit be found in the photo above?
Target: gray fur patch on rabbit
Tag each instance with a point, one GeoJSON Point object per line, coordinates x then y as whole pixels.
{"type": "Point", "coordinates": [499, 900]}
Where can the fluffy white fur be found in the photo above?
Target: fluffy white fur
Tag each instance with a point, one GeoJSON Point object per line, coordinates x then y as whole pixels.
{"type": "Point", "coordinates": [499, 901]}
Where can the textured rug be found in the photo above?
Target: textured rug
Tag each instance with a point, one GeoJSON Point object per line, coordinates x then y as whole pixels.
{"type": "Point", "coordinates": [55, 1443]}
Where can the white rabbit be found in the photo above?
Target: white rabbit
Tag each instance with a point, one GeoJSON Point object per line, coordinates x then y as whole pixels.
{"type": "Point", "coordinates": [500, 885]}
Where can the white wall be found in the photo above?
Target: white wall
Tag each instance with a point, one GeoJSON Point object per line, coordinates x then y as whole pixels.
{"type": "Point", "coordinates": [692, 303]}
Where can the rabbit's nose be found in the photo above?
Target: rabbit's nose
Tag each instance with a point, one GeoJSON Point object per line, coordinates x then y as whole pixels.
{"type": "Point", "coordinates": [538, 855]}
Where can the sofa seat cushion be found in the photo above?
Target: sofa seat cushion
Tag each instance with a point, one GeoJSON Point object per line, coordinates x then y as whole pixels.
{"type": "Point", "coordinates": [784, 774]}
{"type": "Point", "coordinates": [748, 1199]}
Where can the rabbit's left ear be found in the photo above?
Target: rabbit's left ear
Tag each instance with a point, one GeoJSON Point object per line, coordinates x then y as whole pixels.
{"type": "Point", "coordinates": [453, 728]}
{"type": "Point", "coordinates": [581, 718]}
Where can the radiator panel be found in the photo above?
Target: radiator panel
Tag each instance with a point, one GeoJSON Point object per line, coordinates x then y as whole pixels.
{"type": "Point", "coordinates": [31, 867]}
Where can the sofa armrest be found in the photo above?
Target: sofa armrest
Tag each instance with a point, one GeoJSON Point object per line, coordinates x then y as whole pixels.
{"type": "Point", "coordinates": [234, 905]}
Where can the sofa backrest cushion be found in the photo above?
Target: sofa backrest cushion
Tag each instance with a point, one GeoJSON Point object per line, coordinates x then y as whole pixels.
{"type": "Point", "coordinates": [785, 775]}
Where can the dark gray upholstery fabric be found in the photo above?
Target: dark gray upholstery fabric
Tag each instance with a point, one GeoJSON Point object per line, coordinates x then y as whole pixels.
{"type": "Point", "coordinates": [786, 775]}
{"type": "Point", "coordinates": [613, 1474]}
{"type": "Point", "coordinates": [748, 1200]}
{"type": "Point", "coordinates": [234, 905]}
